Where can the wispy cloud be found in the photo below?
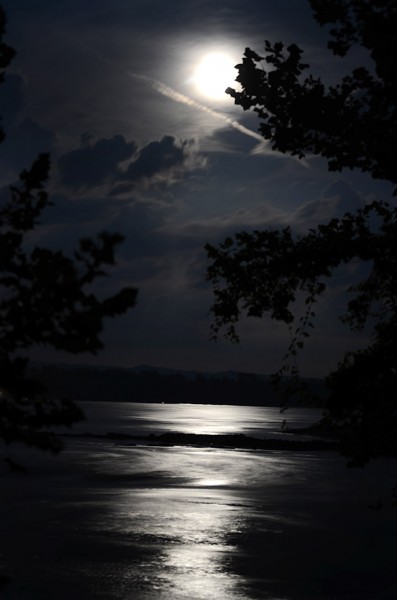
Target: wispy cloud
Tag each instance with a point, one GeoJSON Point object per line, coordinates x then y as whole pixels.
{"type": "Point", "coordinates": [263, 146]}
{"type": "Point", "coordinates": [183, 99]}
{"type": "Point", "coordinates": [176, 96]}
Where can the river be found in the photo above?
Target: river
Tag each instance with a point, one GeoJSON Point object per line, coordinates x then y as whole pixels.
{"type": "Point", "coordinates": [106, 520]}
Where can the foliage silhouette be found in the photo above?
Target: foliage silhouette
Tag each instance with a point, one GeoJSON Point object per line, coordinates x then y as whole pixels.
{"type": "Point", "coordinates": [352, 125]}
{"type": "Point", "coordinates": [46, 298]}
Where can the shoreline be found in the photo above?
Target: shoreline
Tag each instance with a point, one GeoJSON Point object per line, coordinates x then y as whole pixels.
{"type": "Point", "coordinates": [232, 441]}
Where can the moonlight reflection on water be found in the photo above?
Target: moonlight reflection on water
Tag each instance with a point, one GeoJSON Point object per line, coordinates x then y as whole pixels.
{"type": "Point", "coordinates": [186, 507]}
{"type": "Point", "coordinates": [119, 522]}
{"type": "Point", "coordinates": [192, 550]}
{"type": "Point", "coordinates": [144, 419]}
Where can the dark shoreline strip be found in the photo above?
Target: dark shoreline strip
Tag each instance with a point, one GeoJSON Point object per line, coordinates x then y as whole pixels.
{"type": "Point", "coordinates": [238, 441]}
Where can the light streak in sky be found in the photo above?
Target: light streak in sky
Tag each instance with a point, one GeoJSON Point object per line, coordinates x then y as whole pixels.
{"type": "Point", "coordinates": [183, 99]}
{"type": "Point", "coordinates": [169, 92]}
{"type": "Point", "coordinates": [262, 147]}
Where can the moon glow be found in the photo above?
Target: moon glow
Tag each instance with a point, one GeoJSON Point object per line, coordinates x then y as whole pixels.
{"type": "Point", "coordinates": [213, 74]}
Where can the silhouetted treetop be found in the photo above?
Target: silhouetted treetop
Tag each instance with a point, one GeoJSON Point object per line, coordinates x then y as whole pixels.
{"type": "Point", "coordinates": [353, 123]}
{"type": "Point", "coordinates": [46, 299]}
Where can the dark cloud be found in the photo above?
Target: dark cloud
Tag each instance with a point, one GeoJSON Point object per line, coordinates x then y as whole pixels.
{"type": "Point", "coordinates": [348, 200]}
{"type": "Point", "coordinates": [156, 157]}
{"type": "Point", "coordinates": [92, 164]}
{"type": "Point", "coordinates": [337, 199]}
{"type": "Point", "coordinates": [164, 161]}
{"type": "Point", "coordinates": [139, 221]}
{"type": "Point", "coordinates": [232, 140]}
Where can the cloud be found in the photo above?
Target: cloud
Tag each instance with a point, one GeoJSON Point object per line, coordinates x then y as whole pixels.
{"type": "Point", "coordinates": [163, 157]}
{"type": "Point", "coordinates": [228, 139]}
{"type": "Point", "coordinates": [263, 146]}
{"type": "Point", "coordinates": [184, 99]}
{"type": "Point", "coordinates": [92, 164]}
{"type": "Point", "coordinates": [337, 199]}
{"type": "Point", "coordinates": [259, 217]}
{"type": "Point", "coordinates": [107, 161]}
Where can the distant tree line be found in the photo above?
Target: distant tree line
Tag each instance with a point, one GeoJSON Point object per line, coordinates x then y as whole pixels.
{"type": "Point", "coordinates": [123, 385]}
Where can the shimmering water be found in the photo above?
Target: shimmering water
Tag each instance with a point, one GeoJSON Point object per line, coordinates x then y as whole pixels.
{"type": "Point", "coordinates": [119, 522]}
{"type": "Point", "coordinates": [145, 419]}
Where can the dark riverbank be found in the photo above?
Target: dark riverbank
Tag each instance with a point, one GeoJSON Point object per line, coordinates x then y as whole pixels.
{"type": "Point", "coordinates": [147, 384]}
{"type": "Point", "coordinates": [234, 441]}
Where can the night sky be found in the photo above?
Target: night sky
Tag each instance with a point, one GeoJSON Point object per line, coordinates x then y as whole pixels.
{"type": "Point", "coordinates": [140, 147]}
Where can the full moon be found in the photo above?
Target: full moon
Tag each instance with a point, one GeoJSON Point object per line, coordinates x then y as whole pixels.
{"type": "Point", "coordinates": [214, 73]}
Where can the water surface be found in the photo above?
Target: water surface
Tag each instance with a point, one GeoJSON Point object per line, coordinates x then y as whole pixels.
{"type": "Point", "coordinates": [106, 520]}
{"type": "Point", "coordinates": [145, 419]}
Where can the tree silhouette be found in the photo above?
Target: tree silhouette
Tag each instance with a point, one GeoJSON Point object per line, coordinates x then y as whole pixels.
{"type": "Point", "coordinates": [47, 299]}
{"type": "Point", "coordinates": [352, 125]}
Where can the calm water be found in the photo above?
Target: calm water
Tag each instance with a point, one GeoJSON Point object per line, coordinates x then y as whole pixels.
{"type": "Point", "coordinates": [145, 419]}
{"type": "Point", "coordinates": [119, 522]}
